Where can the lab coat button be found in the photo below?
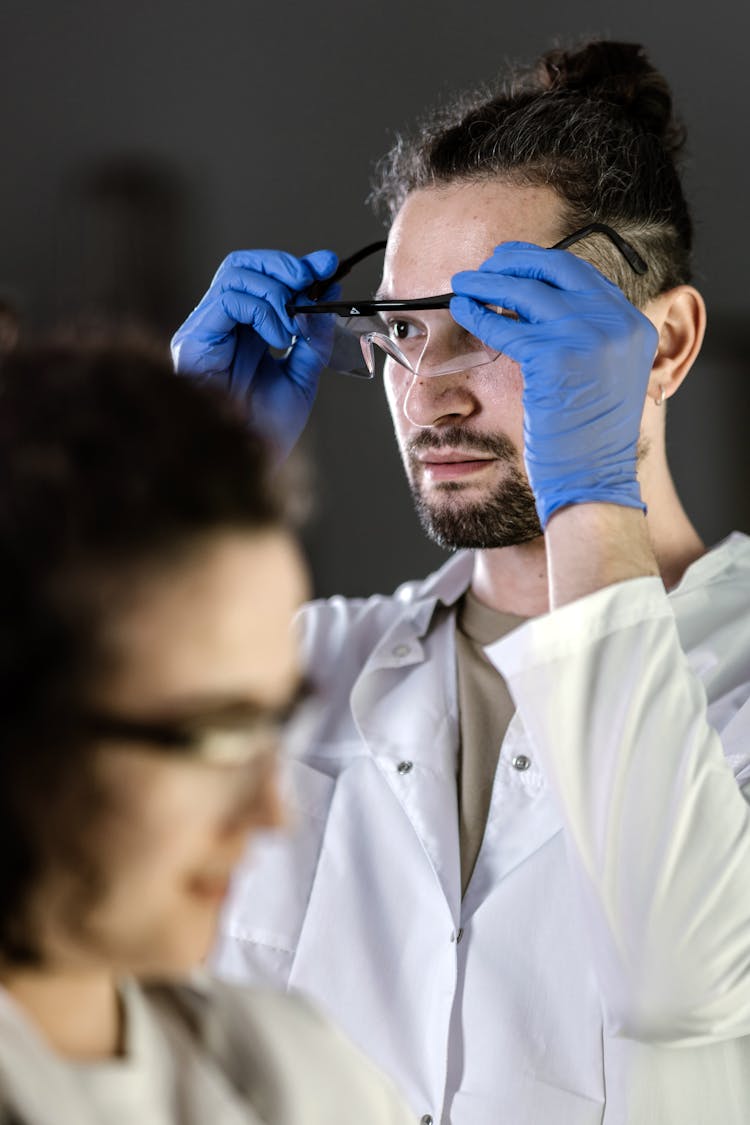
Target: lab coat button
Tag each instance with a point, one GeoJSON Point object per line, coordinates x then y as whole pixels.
{"type": "Point", "coordinates": [426, 1119]}
{"type": "Point", "coordinates": [521, 762]}
{"type": "Point", "coordinates": [404, 767]}
{"type": "Point", "coordinates": [401, 650]}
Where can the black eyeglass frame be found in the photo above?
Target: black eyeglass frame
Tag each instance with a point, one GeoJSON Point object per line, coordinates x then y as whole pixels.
{"type": "Point", "coordinates": [369, 307]}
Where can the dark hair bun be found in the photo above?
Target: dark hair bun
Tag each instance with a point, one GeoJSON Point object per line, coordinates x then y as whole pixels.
{"type": "Point", "coordinates": [620, 73]}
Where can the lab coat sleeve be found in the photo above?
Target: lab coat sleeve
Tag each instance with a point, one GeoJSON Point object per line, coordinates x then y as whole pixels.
{"type": "Point", "coordinates": [657, 826]}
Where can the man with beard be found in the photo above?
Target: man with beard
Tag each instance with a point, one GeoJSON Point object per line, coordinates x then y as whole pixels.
{"type": "Point", "coordinates": [517, 872]}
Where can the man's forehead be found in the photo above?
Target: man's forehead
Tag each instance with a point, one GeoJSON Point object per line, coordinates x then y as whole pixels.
{"type": "Point", "coordinates": [440, 230]}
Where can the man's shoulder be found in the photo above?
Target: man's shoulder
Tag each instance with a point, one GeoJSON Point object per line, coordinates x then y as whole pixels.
{"type": "Point", "coordinates": [714, 592]}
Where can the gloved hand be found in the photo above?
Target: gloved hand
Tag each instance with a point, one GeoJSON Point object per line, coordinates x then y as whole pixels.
{"type": "Point", "coordinates": [228, 334]}
{"type": "Point", "coordinates": [585, 354]}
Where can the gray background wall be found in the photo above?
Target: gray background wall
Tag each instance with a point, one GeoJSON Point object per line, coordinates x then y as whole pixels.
{"type": "Point", "coordinates": [141, 142]}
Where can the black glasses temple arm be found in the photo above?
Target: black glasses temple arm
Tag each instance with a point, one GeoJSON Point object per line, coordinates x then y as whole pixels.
{"type": "Point", "coordinates": [318, 288]}
{"type": "Point", "coordinates": [629, 253]}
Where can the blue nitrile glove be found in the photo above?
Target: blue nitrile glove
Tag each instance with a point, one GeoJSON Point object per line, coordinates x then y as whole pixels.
{"type": "Point", "coordinates": [585, 353]}
{"type": "Point", "coordinates": [228, 334]}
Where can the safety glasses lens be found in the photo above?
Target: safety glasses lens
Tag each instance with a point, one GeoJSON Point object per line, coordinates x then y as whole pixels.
{"type": "Point", "coordinates": [435, 347]}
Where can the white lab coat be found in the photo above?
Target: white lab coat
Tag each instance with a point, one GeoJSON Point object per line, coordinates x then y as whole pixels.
{"type": "Point", "coordinates": [598, 967]}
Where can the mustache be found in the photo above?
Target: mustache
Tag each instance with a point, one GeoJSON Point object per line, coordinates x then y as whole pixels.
{"type": "Point", "coordinates": [458, 437]}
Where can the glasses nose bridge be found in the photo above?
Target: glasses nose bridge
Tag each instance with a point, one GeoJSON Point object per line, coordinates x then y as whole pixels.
{"type": "Point", "coordinates": [445, 348]}
{"type": "Point", "coordinates": [446, 345]}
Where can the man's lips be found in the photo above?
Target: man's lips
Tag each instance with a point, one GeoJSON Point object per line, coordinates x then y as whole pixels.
{"type": "Point", "coordinates": [448, 464]}
{"type": "Point", "coordinates": [449, 456]}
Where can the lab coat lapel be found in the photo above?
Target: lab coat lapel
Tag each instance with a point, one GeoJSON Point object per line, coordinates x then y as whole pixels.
{"type": "Point", "coordinates": [406, 710]}
{"type": "Point", "coordinates": [377, 932]}
{"type": "Point", "coordinates": [523, 816]}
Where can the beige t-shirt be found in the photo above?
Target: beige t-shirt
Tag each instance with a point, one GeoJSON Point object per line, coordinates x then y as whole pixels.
{"type": "Point", "coordinates": [485, 710]}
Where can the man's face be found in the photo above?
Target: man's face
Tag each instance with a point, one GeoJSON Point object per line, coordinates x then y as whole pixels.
{"type": "Point", "coordinates": [461, 435]}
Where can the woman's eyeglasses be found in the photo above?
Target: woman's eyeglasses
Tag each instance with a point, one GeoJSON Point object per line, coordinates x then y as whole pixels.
{"type": "Point", "coordinates": [233, 735]}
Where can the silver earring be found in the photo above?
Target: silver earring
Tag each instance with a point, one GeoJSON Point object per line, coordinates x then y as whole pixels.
{"type": "Point", "coordinates": [660, 400]}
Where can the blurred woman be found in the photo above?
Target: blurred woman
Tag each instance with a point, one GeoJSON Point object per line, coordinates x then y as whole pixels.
{"type": "Point", "coordinates": [147, 584]}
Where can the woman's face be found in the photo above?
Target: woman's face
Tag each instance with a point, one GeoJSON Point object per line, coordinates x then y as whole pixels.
{"type": "Point", "coordinates": [207, 642]}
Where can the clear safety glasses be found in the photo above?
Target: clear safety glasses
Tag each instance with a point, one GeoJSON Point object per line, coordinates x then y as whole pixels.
{"type": "Point", "coordinates": [419, 335]}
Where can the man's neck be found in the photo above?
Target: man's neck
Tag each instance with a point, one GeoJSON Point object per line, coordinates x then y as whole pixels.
{"type": "Point", "coordinates": [589, 547]}
{"type": "Point", "coordinates": [513, 579]}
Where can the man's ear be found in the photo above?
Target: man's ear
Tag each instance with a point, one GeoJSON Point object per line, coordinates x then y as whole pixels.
{"type": "Point", "coordinates": [680, 317]}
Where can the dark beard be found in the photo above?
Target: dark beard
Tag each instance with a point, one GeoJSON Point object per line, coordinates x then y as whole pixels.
{"type": "Point", "coordinates": [506, 518]}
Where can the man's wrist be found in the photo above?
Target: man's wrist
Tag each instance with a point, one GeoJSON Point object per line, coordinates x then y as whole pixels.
{"type": "Point", "coordinates": [593, 545]}
{"type": "Point", "coordinates": [607, 484]}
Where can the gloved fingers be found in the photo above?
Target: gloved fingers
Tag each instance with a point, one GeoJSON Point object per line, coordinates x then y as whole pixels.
{"type": "Point", "coordinates": [213, 322]}
{"type": "Point", "coordinates": [296, 273]}
{"type": "Point", "coordinates": [511, 337]}
{"type": "Point", "coordinates": [195, 354]}
{"type": "Point", "coordinates": [322, 262]}
{"type": "Point", "coordinates": [259, 286]}
{"type": "Point", "coordinates": [208, 327]}
{"type": "Point", "coordinates": [276, 283]}
{"type": "Point", "coordinates": [559, 268]}
{"type": "Point", "coordinates": [245, 308]}
{"type": "Point", "coordinates": [304, 364]}
{"type": "Point", "coordinates": [523, 341]}
{"type": "Point", "coordinates": [535, 302]}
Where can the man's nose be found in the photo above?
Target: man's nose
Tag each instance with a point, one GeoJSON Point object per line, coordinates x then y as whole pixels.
{"type": "Point", "coordinates": [435, 400]}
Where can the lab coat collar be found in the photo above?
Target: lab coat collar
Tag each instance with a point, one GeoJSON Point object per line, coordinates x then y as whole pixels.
{"type": "Point", "coordinates": [400, 645]}
{"type": "Point", "coordinates": [427, 733]}
{"type": "Point", "coordinates": [451, 581]}
{"type": "Point", "coordinates": [729, 555]}
{"type": "Point", "coordinates": [445, 585]}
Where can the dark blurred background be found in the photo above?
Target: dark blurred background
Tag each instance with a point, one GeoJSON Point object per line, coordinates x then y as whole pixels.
{"type": "Point", "coordinates": [142, 142]}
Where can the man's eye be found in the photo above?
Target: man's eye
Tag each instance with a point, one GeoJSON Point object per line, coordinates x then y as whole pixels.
{"type": "Point", "coordinates": [402, 329]}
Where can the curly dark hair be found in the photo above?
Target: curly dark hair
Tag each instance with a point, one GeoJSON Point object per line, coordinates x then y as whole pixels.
{"type": "Point", "coordinates": [594, 123]}
{"type": "Point", "coordinates": [111, 467]}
